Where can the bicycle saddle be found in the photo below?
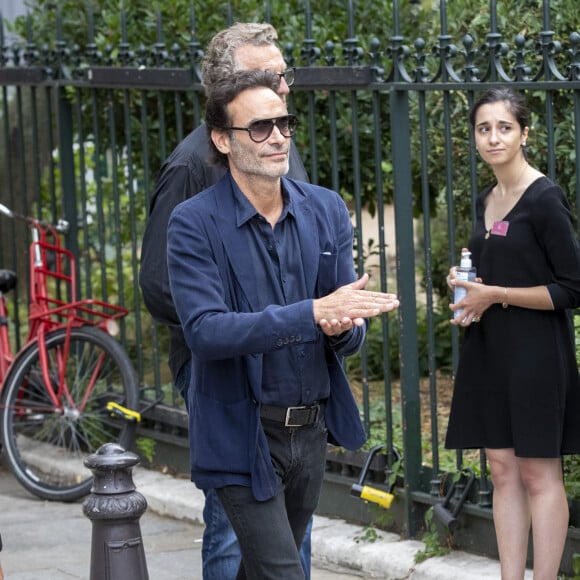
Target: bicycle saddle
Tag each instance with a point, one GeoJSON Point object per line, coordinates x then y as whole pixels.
{"type": "Point", "coordinates": [7, 280]}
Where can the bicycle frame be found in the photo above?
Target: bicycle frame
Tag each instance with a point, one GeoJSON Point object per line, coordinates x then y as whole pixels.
{"type": "Point", "coordinates": [5, 350]}
{"type": "Point", "coordinates": [53, 305]}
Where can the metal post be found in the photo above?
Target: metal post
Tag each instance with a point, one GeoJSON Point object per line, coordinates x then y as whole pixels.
{"type": "Point", "coordinates": [114, 507]}
{"type": "Point", "coordinates": [408, 349]}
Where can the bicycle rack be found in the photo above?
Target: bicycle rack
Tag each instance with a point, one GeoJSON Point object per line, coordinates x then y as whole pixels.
{"type": "Point", "coordinates": [378, 496]}
{"type": "Point", "coordinates": [447, 511]}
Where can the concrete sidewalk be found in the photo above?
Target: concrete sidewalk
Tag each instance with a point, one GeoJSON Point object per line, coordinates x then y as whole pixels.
{"type": "Point", "coordinates": [333, 540]}
{"type": "Point", "coordinates": [52, 540]}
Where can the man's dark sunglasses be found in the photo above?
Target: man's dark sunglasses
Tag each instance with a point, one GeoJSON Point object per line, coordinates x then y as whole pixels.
{"type": "Point", "coordinates": [289, 75]}
{"type": "Point", "coordinates": [260, 130]}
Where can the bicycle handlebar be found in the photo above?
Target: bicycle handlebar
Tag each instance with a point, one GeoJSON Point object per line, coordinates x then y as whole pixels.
{"type": "Point", "coordinates": [62, 226]}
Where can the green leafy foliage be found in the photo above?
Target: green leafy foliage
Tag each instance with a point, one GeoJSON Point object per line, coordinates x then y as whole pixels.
{"type": "Point", "coordinates": [571, 470]}
{"type": "Point", "coordinates": [378, 427]}
{"type": "Point", "coordinates": [171, 34]}
{"type": "Point", "coordinates": [146, 447]}
{"type": "Point", "coordinates": [369, 535]}
{"type": "Point", "coordinates": [431, 539]}
{"type": "Point", "coordinates": [160, 33]}
{"type": "Point", "coordinates": [577, 332]}
{"type": "Point", "coordinates": [576, 566]}
{"type": "Point", "coordinates": [374, 349]}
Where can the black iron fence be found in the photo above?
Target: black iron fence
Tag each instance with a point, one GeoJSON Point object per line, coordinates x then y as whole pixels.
{"type": "Point", "coordinates": [84, 129]}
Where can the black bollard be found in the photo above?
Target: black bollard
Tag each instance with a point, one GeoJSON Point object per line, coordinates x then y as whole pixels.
{"type": "Point", "coordinates": [114, 508]}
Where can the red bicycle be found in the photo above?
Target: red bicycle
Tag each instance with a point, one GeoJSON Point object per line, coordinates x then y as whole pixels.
{"type": "Point", "coordinates": [72, 386]}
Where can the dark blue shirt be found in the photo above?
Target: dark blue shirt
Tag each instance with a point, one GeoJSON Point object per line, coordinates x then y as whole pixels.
{"type": "Point", "coordinates": [296, 373]}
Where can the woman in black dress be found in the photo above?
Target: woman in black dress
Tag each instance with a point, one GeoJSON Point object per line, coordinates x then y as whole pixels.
{"type": "Point", "coordinates": [517, 387]}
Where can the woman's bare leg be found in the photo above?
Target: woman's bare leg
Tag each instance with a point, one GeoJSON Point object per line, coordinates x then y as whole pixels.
{"type": "Point", "coordinates": [543, 481]}
{"type": "Point", "coordinates": [511, 512]}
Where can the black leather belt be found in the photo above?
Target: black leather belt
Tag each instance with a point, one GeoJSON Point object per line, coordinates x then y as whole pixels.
{"type": "Point", "coordinates": [293, 416]}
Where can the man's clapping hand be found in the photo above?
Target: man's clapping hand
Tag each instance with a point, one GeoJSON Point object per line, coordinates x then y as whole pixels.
{"type": "Point", "coordinates": [350, 305]}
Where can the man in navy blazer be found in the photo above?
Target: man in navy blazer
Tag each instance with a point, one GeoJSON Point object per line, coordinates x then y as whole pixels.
{"type": "Point", "coordinates": [262, 276]}
{"type": "Point", "coordinates": [186, 172]}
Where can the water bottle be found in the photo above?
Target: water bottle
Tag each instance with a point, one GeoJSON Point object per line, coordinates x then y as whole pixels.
{"type": "Point", "coordinates": [465, 271]}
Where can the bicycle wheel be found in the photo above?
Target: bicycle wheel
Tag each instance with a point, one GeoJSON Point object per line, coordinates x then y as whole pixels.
{"type": "Point", "coordinates": [45, 444]}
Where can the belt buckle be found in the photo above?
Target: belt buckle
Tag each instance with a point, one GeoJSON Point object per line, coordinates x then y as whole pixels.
{"type": "Point", "coordinates": [315, 408]}
{"type": "Point", "coordinates": [289, 412]}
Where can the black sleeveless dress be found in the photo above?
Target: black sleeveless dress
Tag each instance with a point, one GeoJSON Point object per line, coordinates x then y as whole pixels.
{"type": "Point", "coordinates": [517, 383]}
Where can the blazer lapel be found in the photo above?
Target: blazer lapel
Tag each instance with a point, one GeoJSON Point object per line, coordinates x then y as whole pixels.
{"type": "Point", "coordinates": [235, 243]}
{"type": "Point", "coordinates": [308, 234]}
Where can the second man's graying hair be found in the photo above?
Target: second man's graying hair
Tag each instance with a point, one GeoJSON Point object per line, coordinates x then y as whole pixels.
{"type": "Point", "coordinates": [219, 60]}
{"type": "Point", "coordinates": [223, 93]}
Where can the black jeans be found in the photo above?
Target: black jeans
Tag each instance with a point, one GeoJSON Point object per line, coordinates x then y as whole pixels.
{"type": "Point", "coordinates": [270, 532]}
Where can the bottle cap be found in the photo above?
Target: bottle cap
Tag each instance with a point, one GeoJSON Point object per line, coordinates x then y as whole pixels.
{"type": "Point", "coordinates": [465, 259]}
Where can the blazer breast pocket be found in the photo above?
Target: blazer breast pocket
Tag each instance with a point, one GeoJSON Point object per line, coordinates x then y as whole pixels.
{"type": "Point", "coordinates": [327, 273]}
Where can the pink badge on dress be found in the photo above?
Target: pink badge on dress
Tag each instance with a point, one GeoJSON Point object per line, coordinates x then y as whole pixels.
{"type": "Point", "coordinates": [500, 228]}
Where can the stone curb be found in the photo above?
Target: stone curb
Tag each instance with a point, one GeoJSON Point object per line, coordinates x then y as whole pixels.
{"type": "Point", "coordinates": [333, 540]}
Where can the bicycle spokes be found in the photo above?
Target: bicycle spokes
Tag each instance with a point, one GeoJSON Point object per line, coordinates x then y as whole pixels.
{"type": "Point", "coordinates": [86, 371]}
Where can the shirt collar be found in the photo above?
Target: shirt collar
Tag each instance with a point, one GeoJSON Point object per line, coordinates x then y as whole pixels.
{"type": "Point", "coordinates": [245, 211]}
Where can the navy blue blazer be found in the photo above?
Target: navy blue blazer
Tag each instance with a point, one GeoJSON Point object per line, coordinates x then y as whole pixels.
{"type": "Point", "coordinates": [214, 291]}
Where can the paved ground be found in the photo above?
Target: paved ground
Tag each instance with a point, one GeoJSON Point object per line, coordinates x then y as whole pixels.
{"type": "Point", "coordinates": [52, 541]}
